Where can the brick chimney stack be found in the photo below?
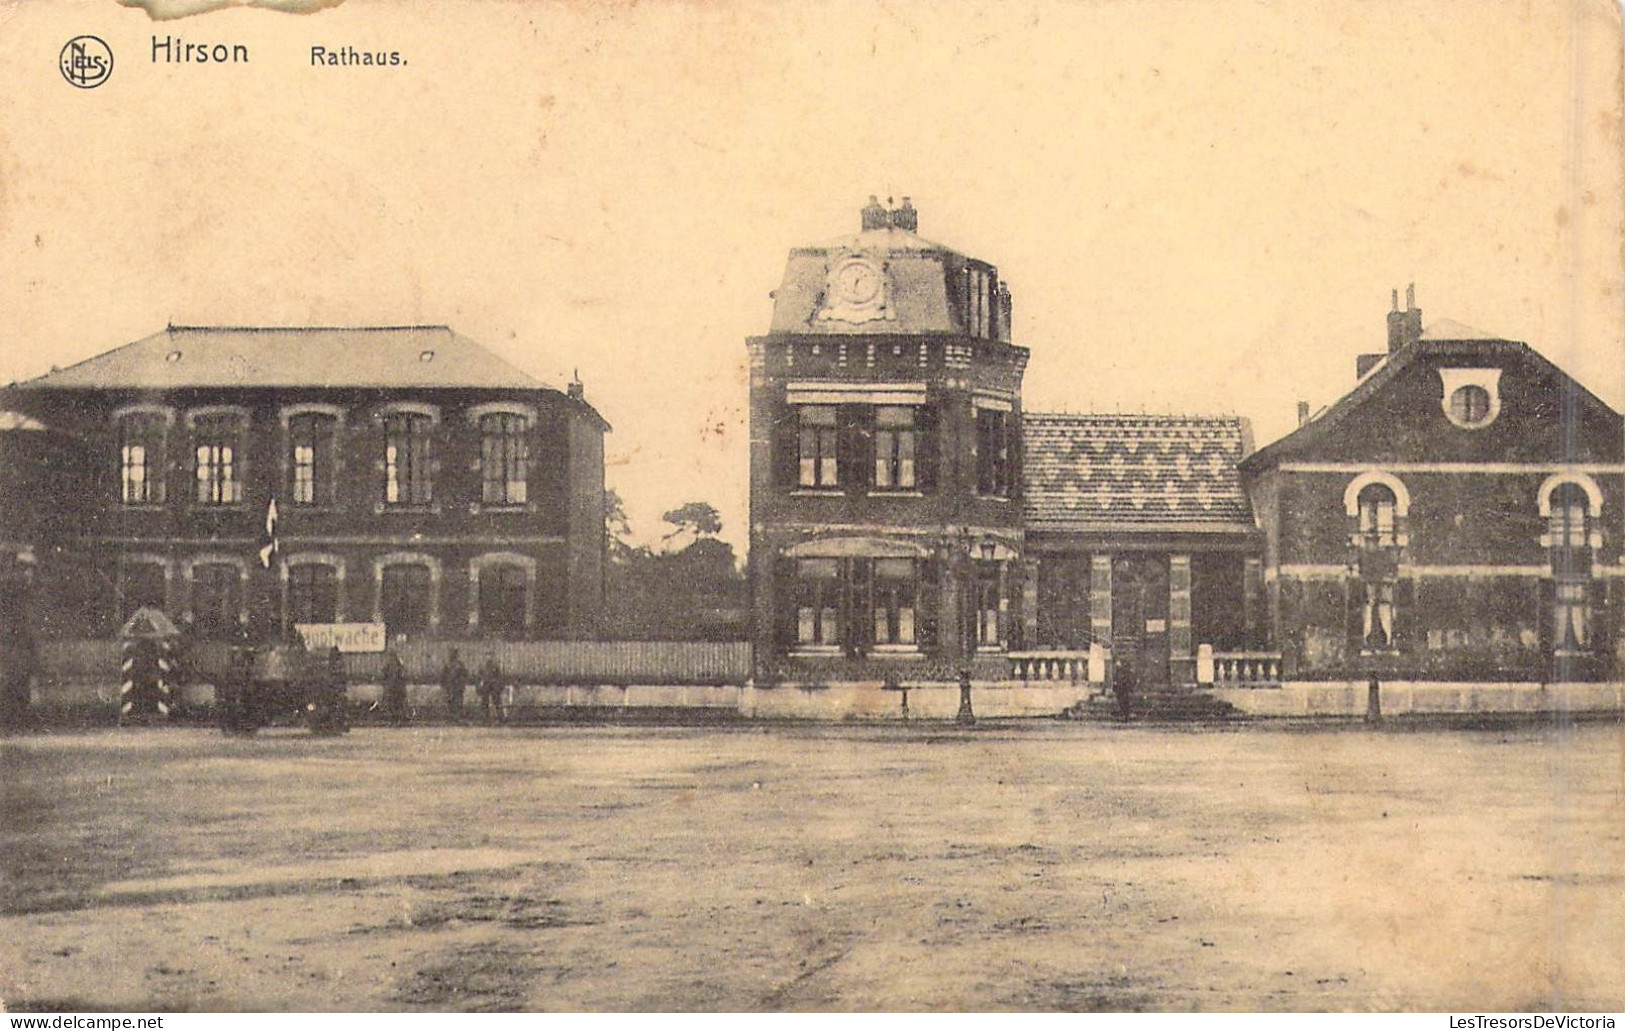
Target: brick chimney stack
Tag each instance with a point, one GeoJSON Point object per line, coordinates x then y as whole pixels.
{"type": "Point", "coordinates": [1404, 327]}
{"type": "Point", "coordinates": [905, 217]}
{"type": "Point", "coordinates": [875, 216]}
{"type": "Point", "coordinates": [1303, 412]}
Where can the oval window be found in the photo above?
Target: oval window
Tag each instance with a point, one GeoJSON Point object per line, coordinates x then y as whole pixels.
{"type": "Point", "coordinates": [1470, 405]}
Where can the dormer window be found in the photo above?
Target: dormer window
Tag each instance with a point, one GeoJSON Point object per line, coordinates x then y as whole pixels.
{"type": "Point", "coordinates": [1471, 397]}
{"type": "Point", "coordinates": [1469, 405]}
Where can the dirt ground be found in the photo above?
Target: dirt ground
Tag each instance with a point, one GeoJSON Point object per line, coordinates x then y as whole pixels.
{"type": "Point", "coordinates": [1027, 866]}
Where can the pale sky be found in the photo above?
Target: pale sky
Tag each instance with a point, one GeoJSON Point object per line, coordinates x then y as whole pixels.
{"type": "Point", "coordinates": [1200, 207]}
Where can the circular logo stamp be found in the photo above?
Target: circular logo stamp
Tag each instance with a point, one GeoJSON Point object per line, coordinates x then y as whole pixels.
{"type": "Point", "coordinates": [86, 61]}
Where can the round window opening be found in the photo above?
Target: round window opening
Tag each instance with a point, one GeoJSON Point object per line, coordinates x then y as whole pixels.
{"type": "Point", "coordinates": [1470, 405]}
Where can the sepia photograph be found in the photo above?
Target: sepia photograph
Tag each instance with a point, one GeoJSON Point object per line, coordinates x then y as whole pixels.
{"type": "Point", "coordinates": [866, 506]}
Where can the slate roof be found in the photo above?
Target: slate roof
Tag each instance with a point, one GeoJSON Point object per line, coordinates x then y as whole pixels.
{"type": "Point", "coordinates": [244, 356]}
{"type": "Point", "coordinates": [1444, 339]}
{"type": "Point", "coordinates": [1148, 472]}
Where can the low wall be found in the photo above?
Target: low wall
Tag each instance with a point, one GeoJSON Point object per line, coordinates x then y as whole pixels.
{"type": "Point", "coordinates": [820, 702]}
{"type": "Point", "coordinates": [937, 700]}
{"type": "Point", "coordinates": [1401, 698]}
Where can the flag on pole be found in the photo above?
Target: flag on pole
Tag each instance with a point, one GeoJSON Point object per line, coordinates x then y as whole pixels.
{"type": "Point", "coordinates": [268, 542]}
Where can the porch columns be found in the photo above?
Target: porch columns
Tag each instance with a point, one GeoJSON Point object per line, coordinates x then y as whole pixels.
{"type": "Point", "coordinates": [1100, 599]}
{"type": "Point", "coordinates": [1181, 661]}
{"type": "Point", "coordinates": [1254, 626]}
{"type": "Point", "coordinates": [1029, 602]}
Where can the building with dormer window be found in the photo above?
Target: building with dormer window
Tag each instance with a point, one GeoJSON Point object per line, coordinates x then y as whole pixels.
{"type": "Point", "coordinates": [419, 481]}
{"type": "Point", "coordinates": [1457, 516]}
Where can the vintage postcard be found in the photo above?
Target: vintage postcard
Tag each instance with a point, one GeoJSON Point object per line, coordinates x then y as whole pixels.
{"type": "Point", "coordinates": [869, 505]}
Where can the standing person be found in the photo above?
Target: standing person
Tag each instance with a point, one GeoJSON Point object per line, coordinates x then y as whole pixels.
{"type": "Point", "coordinates": [454, 682]}
{"type": "Point", "coordinates": [394, 689]}
{"type": "Point", "coordinates": [490, 688]}
{"type": "Point", "coordinates": [329, 715]}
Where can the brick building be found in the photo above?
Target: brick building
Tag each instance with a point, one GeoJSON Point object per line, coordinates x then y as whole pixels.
{"type": "Point", "coordinates": [907, 516]}
{"type": "Point", "coordinates": [1456, 516]}
{"type": "Point", "coordinates": [419, 481]}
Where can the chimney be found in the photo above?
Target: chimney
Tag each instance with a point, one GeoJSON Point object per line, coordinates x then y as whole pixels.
{"type": "Point", "coordinates": [1303, 412]}
{"type": "Point", "coordinates": [1404, 327]}
{"type": "Point", "coordinates": [874, 216]}
{"type": "Point", "coordinates": [905, 217]}
{"type": "Point", "coordinates": [576, 390]}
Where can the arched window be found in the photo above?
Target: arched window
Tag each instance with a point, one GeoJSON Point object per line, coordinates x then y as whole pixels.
{"type": "Point", "coordinates": [1566, 525]}
{"type": "Point", "coordinates": [1378, 509]}
{"type": "Point", "coordinates": [311, 437]}
{"type": "Point", "coordinates": [504, 458]}
{"type": "Point", "coordinates": [407, 474]}
{"type": "Point", "coordinates": [502, 596]}
{"type": "Point", "coordinates": [141, 458]}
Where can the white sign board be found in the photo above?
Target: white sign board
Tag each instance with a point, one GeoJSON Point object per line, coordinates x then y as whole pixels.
{"type": "Point", "coordinates": [349, 637]}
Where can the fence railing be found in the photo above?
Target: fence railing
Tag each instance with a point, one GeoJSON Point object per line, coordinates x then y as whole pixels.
{"type": "Point", "coordinates": [538, 662]}
{"type": "Point", "coordinates": [1058, 665]}
{"type": "Point", "coordinates": [1244, 669]}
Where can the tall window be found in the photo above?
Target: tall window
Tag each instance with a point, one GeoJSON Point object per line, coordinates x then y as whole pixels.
{"type": "Point", "coordinates": [1567, 525]}
{"type": "Point", "coordinates": [404, 599]}
{"type": "Point", "coordinates": [819, 464]}
{"type": "Point", "coordinates": [1377, 618]}
{"type": "Point", "coordinates": [406, 459]}
{"type": "Point", "coordinates": [987, 603]}
{"type": "Point", "coordinates": [1377, 515]}
{"type": "Point", "coordinates": [502, 600]}
{"type": "Point", "coordinates": [217, 441]}
{"type": "Point", "coordinates": [141, 450]}
{"type": "Point", "coordinates": [313, 595]}
{"type": "Point", "coordinates": [978, 302]}
{"type": "Point", "coordinates": [141, 584]}
{"type": "Point", "coordinates": [1569, 535]}
{"type": "Point", "coordinates": [503, 455]}
{"type": "Point", "coordinates": [992, 452]}
{"type": "Point", "coordinates": [216, 598]}
{"type": "Point", "coordinates": [310, 442]}
{"type": "Point", "coordinates": [818, 602]}
{"type": "Point", "coordinates": [895, 443]}
{"type": "Point", "coordinates": [896, 593]}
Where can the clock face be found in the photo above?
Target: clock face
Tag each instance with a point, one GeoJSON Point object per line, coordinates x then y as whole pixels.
{"type": "Point", "coordinates": [857, 283]}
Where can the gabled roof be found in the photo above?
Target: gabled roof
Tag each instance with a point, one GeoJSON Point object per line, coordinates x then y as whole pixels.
{"type": "Point", "coordinates": [256, 356]}
{"type": "Point", "coordinates": [1150, 472]}
{"type": "Point", "coordinates": [1452, 346]}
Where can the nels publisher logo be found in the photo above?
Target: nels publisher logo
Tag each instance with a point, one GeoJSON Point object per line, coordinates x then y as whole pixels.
{"type": "Point", "coordinates": [86, 62]}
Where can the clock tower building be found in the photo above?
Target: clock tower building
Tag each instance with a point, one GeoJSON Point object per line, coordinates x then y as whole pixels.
{"type": "Point", "coordinates": [885, 461]}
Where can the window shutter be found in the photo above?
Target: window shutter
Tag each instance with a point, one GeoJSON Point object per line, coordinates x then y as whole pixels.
{"type": "Point", "coordinates": [786, 444]}
{"type": "Point", "coordinates": [785, 602]}
{"type": "Point", "coordinates": [1603, 601]}
{"type": "Point", "coordinates": [1354, 618]}
{"type": "Point", "coordinates": [926, 449]}
{"type": "Point", "coordinates": [1546, 601]}
{"type": "Point", "coordinates": [1012, 464]}
{"type": "Point", "coordinates": [1407, 630]}
{"type": "Point", "coordinates": [930, 575]}
{"type": "Point", "coordinates": [856, 446]}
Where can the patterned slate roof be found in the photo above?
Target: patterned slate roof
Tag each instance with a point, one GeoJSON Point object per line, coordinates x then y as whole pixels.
{"type": "Point", "coordinates": [1134, 471]}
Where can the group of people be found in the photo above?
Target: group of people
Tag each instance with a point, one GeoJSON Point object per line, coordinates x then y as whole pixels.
{"type": "Point", "coordinates": [492, 688]}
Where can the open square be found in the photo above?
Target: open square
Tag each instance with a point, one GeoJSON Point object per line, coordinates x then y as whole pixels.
{"type": "Point", "coordinates": [1023, 866]}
